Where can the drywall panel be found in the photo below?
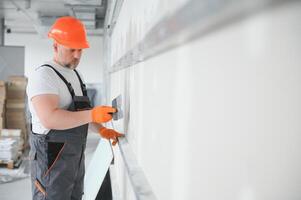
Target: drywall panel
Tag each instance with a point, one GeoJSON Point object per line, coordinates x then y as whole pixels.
{"type": "Point", "coordinates": [135, 19]}
{"type": "Point", "coordinates": [218, 118]}
{"type": "Point", "coordinates": [122, 188]}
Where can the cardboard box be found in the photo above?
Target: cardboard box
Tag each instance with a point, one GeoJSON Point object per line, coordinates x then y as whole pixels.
{"type": "Point", "coordinates": [15, 93]}
{"type": "Point", "coordinates": [16, 87]}
{"type": "Point", "coordinates": [2, 123]}
{"type": "Point", "coordinates": [15, 116]}
{"type": "Point", "coordinates": [15, 120]}
{"type": "Point", "coordinates": [17, 79]}
{"type": "Point", "coordinates": [2, 109]}
{"type": "Point", "coordinates": [15, 105]}
{"type": "Point", "coordinates": [13, 123]}
{"type": "Point", "coordinates": [2, 91]}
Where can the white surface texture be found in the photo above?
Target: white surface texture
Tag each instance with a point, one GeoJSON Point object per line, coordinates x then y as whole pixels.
{"type": "Point", "coordinates": [217, 118]}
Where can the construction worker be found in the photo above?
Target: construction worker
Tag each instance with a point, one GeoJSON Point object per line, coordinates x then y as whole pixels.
{"type": "Point", "coordinates": [61, 112]}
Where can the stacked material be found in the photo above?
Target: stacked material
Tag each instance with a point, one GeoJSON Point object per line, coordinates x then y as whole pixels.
{"type": "Point", "coordinates": [15, 105]}
{"type": "Point", "coordinates": [10, 144]}
{"type": "Point", "coordinates": [13, 134]}
{"type": "Point", "coordinates": [2, 103]}
{"type": "Point", "coordinates": [8, 149]}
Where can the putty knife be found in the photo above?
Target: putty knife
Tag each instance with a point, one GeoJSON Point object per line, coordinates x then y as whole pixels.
{"type": "Point", "coordinates": [117, 103]}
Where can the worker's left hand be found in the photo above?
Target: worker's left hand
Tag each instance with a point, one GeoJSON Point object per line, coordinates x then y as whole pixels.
{"type": "Point", "coordinates": [110, 134]}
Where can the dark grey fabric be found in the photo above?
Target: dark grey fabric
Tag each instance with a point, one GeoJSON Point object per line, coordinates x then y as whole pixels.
{"type": "Point", "coordinates": [58, 160]}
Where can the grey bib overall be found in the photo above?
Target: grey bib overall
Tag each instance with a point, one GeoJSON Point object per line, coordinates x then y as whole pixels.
{"type": "Point", "coordinates": [58, 160]}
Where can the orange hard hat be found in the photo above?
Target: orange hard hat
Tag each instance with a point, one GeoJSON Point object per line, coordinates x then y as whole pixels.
{"type": "Point", "coordinates": [70, 32]}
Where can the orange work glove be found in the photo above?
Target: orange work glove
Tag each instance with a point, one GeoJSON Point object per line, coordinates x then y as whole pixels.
{"type": "Point", "coordinates": [110, 134]}
{"type": "Point", "coordinates": [101, 114]}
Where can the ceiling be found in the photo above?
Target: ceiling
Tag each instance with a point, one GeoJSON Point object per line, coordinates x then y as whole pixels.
{"type": "Point", "coordinates": [37, 16]}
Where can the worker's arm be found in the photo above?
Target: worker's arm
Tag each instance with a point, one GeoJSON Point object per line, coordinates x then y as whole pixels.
{"type": "Point", "coordinates": [52, 117]}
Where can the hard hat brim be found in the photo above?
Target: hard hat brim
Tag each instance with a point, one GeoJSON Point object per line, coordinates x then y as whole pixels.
{"type": "Point", "coordinates": [83, 45]}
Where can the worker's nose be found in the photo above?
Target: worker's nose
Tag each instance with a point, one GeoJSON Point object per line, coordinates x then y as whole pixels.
{"type": "Point", "coordinates": [77, 53]}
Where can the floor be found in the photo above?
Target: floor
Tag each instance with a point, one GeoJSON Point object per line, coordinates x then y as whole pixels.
{"type": "Point", "coordinates": [21, 189]}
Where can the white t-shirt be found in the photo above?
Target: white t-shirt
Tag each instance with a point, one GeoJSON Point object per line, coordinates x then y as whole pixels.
{"type": "Point", "coordinates": [44, 80]}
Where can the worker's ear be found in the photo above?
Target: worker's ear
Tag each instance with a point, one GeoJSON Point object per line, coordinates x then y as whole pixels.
{"type": "Point", "coordinates": [55, 47]}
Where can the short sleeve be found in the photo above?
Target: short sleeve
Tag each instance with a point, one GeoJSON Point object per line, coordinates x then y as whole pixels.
{"type": "Point", "coordinates": [42, 81]}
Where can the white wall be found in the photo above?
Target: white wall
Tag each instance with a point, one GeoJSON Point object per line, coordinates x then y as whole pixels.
{"type": "Point", "coordinates": [136, 18]}
{"type": "Point", "coordinates": [11, 61]}
{"type": "Point", "coordinates": [217, 118]}
{"type": "Point", "coordinates": [38, 50]}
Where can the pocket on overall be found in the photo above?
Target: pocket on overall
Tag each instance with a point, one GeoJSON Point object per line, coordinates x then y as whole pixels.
{"type": "Point", "coordinates": [54, 152]}
{"type": "Point", "coordinates": [39, 188]}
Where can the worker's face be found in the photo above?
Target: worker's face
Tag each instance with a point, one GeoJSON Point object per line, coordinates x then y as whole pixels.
{"type": "Point", "coordinates": [67, 57]}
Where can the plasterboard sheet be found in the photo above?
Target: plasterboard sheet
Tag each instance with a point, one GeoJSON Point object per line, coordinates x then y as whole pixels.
{"type": "Point", "coordinates": [97, 169]}
{"type": "Point", "coordinates": [245, 89]}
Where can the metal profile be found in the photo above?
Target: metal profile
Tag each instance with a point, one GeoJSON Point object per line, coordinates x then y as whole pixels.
{"type": "Point", "coordinates": [138, 180]}
{"type": "Point", "coordinates": [141, 186]}
{"type": "Point", "coordinates": [191, 21]}
{"type": "Point", "coordinates": [114, 17]}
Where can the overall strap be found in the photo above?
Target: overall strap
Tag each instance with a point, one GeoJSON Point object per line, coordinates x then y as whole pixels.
{"type": "Point", "coordinates": [82, 85]}
{"type": "Point", "coordinates": [69, 86]}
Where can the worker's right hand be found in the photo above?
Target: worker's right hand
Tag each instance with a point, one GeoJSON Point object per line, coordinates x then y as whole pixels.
{"type": "Point", "coordinates": [101, 114]}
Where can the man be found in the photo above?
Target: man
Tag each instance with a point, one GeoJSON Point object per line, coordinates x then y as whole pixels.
{"type": "Point", "coordinates": [61, 113]}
